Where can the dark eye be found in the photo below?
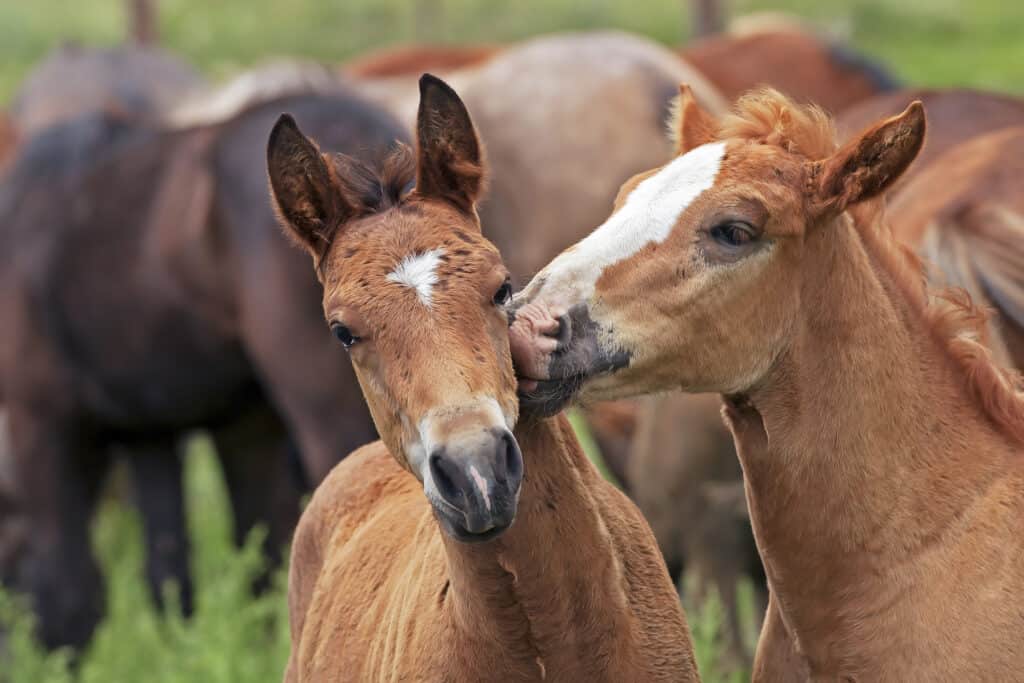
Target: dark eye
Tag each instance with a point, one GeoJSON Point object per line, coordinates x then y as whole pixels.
{"type": "Point", "coordinates": [504, 293]}
{"type": "Point", "coordinates": [733, 233]}
{"type": "Point", "coordinates": [344, 335]}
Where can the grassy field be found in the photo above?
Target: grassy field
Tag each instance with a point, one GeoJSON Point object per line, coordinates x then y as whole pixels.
{"type": "Point", "coordinates": [936, 42]}
{"type": "Point", "coordinates": [232, 636]}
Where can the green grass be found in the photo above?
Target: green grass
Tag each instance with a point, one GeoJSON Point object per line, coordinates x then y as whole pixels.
{"type": "Point", "coordinates": [933, 42]}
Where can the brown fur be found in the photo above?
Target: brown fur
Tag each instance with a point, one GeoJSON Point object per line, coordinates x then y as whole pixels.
{"type": "Point", "coordinates": [575, 589]}
{"type": "Point", "coordinates": [954, 116]}
{"type": "Point", "coordinates": [793, 60]}
{"type": "Point", "coordinates": [880, 444]}
{"type": "Point", "coordinates": [413, 60]}
{"type": "Point", "coordinates": [685, 478]}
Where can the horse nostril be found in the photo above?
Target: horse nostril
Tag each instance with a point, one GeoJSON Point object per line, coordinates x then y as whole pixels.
{"type": "Point", "coordinates": [564, 333]}
{"type": "Point", "coordinates": [513, 461]}
{"type": "Point", "coordinates": [443, 479]}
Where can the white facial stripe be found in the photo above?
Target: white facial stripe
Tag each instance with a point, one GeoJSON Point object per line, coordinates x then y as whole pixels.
{"type": "Point", "coordinates": [418, 272]}
{"type": "Point", "coordinates": [648, 215]}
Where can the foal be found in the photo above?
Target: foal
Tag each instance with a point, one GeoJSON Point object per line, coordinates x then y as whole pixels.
{"type": "Point", "coordinates": [880, 445]}
{"type": "Point", "coordinates": [388, 583]}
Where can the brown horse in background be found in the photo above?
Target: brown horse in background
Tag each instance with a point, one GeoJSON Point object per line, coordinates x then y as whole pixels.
{"type": "Point", "coordinates": [144, 291]}
{"type": "Point", "coordinates": [881, 446]}
{"type": "Point", "coordinates": [514, 565]}
{"type": "Point", "coordinates": [972, 231]}
{"type": "Point", "coordinates": [413, 60]}
{"type": "Point", "coordinates": [954, 116]}
{"type": "Point", "coordinates": [790, 58]}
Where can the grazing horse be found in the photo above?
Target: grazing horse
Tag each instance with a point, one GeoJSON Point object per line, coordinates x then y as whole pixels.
{"type": "Point", "coordinates": [790, 58]}
{"type": "Point", "coordinates": [880, 444]}
{"type": "Point", "coordinates": [144, 291]}
{"type": "Point", "coordinates": [467, 545]}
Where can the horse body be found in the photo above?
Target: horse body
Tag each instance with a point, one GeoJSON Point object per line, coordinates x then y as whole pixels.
{"type": "Point", "coordinates": [472, 543]}
{"type": "Point", "coordinates": [145, 290]}
{"type": "Point", "coordinates": [540, 602]}
{"type": "Point", "coordinates": [880, 443]}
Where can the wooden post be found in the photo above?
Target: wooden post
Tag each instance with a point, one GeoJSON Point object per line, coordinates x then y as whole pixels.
{"type": "Point", "coordinates": [707, 17]}
{"type": "Point", "coordinates": [142, 22]}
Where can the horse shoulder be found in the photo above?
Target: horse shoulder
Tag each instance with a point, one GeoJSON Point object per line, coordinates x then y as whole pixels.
{"type": "Point", "coordinates": [336, 510]}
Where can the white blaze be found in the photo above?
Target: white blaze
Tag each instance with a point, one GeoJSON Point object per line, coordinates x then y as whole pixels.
{"type": "Point", "coordinates": [648, 215]}
{"type": "Point", "coordinates": [481, 485]}
{"type": "Point", "coordinates": [418, 272]}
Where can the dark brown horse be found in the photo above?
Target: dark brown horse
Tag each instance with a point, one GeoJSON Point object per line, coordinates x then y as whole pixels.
{"type": "Point", "coordinates": [144, 291]}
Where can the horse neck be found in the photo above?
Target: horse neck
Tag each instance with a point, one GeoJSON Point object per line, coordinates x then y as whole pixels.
{"type": "Point", "coordinates": [551, 587]}
{"type": "Point", "coordinates": [863, 443]}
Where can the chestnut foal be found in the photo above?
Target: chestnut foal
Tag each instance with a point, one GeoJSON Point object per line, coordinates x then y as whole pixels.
{"type": "Point", "coordinates": [389, 584]}
{"type": "Point", "coordinates": [881, 446]}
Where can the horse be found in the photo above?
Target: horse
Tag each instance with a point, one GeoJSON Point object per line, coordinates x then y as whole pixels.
{"type": "Point", "coordinates": [144, 291]}
{"type": "Point", "coordinates": [967, 244]}
{"type": "Point", "coordinates": [955, 115]}
{"type": "Point", "coordinates": [414, 59]}
{"type": "Point", "coordinates": [880, 443]}
{"type": "Point", "coordinates": [470, 543]}
{"type": "Point", "coordinates": [789, 57]}
{"type": "Point", "coordinates": [605, 85]}
{"type": "Point", "coordinates": [970, 233]}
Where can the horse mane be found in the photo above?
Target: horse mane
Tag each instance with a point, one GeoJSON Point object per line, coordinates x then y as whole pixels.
{"type": "Point", "coordinates": [957, 324]}
{"type": "Point", "coordinates": [767, 116]}
{"type": "Point", "coordinates": [366, 189]}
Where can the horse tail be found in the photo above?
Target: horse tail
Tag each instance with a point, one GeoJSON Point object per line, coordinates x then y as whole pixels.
{"type": "Point", "coordinates": [980, 248]}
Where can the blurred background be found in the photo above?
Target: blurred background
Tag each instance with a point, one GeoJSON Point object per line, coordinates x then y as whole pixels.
{"type": "Point", "coordinates": [373, 49]}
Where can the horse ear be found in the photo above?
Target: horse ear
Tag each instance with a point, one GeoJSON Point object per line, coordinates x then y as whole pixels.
{"type": "Point", "coordinates": [690, 125]}
{"type": "Point", "coordinates": [309, 204]}
{"type": "Point", "coordinates": [449, 157]}
{"type": "Point", "coordinates": [869, 164]}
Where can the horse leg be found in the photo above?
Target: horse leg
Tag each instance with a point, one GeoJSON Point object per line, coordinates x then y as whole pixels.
{"type": "Point", "coordinates": [777, 659]}
{"type": "Point", "coordinates": [254, 454]}
{"type": "Point", "coordinates": [59, 471]}
{"type": "Point", "coordinates": [159, 491]}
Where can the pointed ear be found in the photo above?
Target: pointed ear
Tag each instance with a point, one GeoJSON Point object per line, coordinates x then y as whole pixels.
{"type": "Point", "coordinates": [869, 164]}
{"type": "Point", "coordinates": [449, 157]}
{"type": "Point", "coordinates": [309, 204]}
{"type": "Point", "coordinates": [690, 125]}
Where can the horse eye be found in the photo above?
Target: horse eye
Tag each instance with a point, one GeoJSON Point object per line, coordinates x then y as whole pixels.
{"type": "Point", "coordinates": [504, 293]}
{"type": "Point", "coordinates": [733, 233]}
{"type": "Point", "coordinates": [344, 335]}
